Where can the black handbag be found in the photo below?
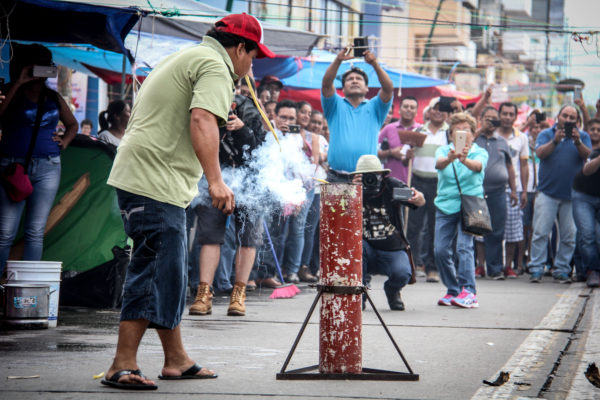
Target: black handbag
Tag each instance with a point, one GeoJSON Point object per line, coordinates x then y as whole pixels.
{"type": "Point", "coordinates": [474, 214]}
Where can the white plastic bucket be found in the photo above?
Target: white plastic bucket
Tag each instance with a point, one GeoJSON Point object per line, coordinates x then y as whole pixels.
{"type": "Point", "coordinates": [42, 272]}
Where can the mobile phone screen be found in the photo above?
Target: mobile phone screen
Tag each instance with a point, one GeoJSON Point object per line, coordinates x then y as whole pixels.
{"type": "Point", "coordinates": [360, 45]}
{"type": "Point", "coordinates": [460, 141]}
{"type": "Point", "coordinates": [577, 93]}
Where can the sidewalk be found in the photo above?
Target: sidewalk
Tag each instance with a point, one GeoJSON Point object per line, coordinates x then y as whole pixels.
{"type": "Point", "coordinates": [451, 349]}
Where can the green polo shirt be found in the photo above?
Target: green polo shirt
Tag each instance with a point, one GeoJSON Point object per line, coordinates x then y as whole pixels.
{"type": "Point", "coordinates": [156, 158]}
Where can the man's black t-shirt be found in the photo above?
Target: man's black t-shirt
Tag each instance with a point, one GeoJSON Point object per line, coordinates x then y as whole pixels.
{"type": "Point", "coordinates": [588, 184]}
{"type": "Point", "coordinates": [382, 221]}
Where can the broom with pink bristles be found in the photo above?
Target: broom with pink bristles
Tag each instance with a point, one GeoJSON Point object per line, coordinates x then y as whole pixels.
{"type": "Point", "coordinates": [285, 291]}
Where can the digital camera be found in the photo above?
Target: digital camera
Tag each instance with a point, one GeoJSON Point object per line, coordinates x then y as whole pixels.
{"type": "Point", "coordinates": [402, 193]}
{"type": "Point", "coordinates": [371, 182]}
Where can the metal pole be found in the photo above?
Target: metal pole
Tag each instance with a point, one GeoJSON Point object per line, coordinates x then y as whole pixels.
{"type": "Point", "coordinates": [123, 73]}
{"type": "Point", "coordinates": [340, 328]}
{"type": "Point", "coordinates": [426, 51]}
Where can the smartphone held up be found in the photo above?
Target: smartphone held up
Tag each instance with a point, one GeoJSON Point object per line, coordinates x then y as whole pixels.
{"type": "Point", "coordinates": [44, 71]}
{"type": "Point", "coordinates": [460, 141]}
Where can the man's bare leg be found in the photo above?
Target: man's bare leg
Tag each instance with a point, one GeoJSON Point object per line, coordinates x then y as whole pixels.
{"type": "Point", "coordinates": [520, 256]}
{"type": "Point", "coordinates": [244, 263]}
{"type": "Point", "coordinates": [509, 249]}
{"type": "Point", "coordinates": [130, 336]}
{"type": "Point", "coordinates": [209, 261]}
{"type": "Point", "coordinates": [177, 360]}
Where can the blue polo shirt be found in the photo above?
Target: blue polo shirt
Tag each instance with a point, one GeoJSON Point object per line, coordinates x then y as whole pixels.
{"type": "Point", "coordinates": [558, 170]}
{"type": "Point", "coordinates": [353, 132]}
{"type": "Point", "coordinates": [471, 183]}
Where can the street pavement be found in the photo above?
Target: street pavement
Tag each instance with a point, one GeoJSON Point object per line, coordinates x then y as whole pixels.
{"type": "Point", "coordinates": [544, 335]}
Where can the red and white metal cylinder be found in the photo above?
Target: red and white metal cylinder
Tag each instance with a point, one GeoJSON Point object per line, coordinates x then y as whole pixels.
{"type": "Point", "coordinates": [340, 328]}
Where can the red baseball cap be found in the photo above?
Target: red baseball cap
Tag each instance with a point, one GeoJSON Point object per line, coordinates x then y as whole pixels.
{"type": "Point", "coordinates": [248, 27]}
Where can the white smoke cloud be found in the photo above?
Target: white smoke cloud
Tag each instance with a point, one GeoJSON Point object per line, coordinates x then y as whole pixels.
{"type": "Point", "coordinates": [273, 178]}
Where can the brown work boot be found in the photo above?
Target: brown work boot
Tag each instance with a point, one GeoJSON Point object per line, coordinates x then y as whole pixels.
{"type": "Point", "coordinates": [305, 275]}
{"type": "Point", "coordinates": [203, 302]}
{"type": "Point", "coordinates": [237, 299]}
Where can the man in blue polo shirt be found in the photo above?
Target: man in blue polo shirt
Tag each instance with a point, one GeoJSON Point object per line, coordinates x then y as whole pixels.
{"type": "Point", "coordinates": [354, 122]}
{"type": "Point", "coordinates": [562, 150]}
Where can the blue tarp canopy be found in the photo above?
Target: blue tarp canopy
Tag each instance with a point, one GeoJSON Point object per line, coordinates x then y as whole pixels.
{"type": "Point", "coordinates": [67, 22]}
{"type": "Point", "coordinates": [307, 73]}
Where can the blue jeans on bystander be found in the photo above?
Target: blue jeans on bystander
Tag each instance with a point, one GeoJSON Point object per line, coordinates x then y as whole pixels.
{"type": "Point", "coordinates": [586, 213]}
{"type": "Point", "coordinates": [448, 227]}
{"type": "Point", "coordinates": [44, 174]}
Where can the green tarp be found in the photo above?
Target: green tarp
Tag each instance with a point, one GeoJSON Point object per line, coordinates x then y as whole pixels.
{"type": "Point", "coordinates": [83, 239]}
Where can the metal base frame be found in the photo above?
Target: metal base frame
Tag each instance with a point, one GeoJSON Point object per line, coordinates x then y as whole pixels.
{"type": "Point", "coordinates": [367, 373]}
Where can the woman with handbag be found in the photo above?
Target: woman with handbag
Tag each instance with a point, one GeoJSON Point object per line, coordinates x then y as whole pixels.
{"type": "Point", "coordinates": [30, 149]}
{"type": "Point", "coordinates": [460, 184]}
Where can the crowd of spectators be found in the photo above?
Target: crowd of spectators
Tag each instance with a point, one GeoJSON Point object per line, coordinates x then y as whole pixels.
{"type": "Point", "coordinates": [533, 177]}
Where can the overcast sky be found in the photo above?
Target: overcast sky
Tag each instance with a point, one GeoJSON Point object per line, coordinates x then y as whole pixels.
{"type": "Point", "coordinates": [586, 14]}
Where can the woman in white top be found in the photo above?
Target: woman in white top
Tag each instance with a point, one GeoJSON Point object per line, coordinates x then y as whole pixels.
{"type": "Point", "coordinates": [113, 122]}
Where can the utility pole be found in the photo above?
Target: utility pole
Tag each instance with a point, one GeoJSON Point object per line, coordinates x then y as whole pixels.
{"type": "Point", "coordinates": [428, 43]}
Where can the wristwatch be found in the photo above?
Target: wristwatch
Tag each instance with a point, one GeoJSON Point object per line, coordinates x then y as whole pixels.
{"type": "Point", "coordinates": [577, 143]}
{"type": "Point", "coordinates": [555, 142]}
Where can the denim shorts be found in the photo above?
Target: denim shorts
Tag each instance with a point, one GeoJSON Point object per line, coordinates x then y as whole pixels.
{"type": "Point", "coordinates": [156, 277]}
{"type": "Point", "coordinates": [212, 224]}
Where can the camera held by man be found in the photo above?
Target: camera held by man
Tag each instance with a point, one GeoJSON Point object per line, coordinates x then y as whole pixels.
{"type": "Point", "coordinates": [385, 248]}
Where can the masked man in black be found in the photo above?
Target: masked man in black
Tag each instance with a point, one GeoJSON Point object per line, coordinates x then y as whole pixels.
{"type": "Point", "coordinates": [384, 243]}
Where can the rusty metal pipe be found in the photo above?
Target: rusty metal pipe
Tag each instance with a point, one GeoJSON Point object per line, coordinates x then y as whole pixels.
{"type": "Point", "coordinates": [340, 328]}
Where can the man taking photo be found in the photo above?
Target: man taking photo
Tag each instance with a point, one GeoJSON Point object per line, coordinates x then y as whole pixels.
{"type": "Point", "coordinates": [384, 244]}
{"type": "Point", "coordinates": [353, 120]}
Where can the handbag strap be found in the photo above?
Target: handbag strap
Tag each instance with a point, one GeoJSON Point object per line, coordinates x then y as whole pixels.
{"type": "Point", "coordinates": [36, 127]}
{"type": "Point", "coordinates": [456, 177]}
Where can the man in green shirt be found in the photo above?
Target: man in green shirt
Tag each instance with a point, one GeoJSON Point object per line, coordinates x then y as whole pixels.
{"type": "Point", "coordinates": [172, 137]}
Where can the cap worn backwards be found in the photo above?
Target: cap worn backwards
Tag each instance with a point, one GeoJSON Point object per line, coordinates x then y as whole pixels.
{"type": "Point", "coordinates": [248, 27]}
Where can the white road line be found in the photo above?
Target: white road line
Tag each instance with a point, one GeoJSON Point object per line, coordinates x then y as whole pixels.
{"type": "Point", "coordinates": [581, 389]}
{"type": "Point", "coordinates": [527, 359]}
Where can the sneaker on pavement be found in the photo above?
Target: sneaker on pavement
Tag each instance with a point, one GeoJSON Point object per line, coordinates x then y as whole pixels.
{"type": "Point", "coordinates": [446, 300]}
{"type": "Point", "coordinates": [433, 276]}
{"type": "Point", "coordinates": [292, 278]}
{"type": "Point", "coordinates": [562, 278]}
{"type": "Point", "coordinates": [497, 277]}
{"type": "Point", "coordinates": [420, 270]}
{"type": "Point", "coordinates": [510, 273]}
{"type": "Point", "coordinates": [465, 299]}
{"type": "Point", "coordinates": [203, 302]}
{"type": "Point", "coordinates": [305, 275]}
{"type": "Point", "coordinates": [536, 277]}
{"type": "Point", "coordinates": [593, 279]}
{"type": "Point", "coordinates": [479, 272]}
{"type": "Point", "coordinates": [237, 306]}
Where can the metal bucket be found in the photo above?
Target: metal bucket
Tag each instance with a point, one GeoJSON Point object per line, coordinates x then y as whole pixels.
{"type": "Point", "coordinates": [26, 305]}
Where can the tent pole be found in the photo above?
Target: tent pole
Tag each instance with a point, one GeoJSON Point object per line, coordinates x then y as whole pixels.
{"type": "Point", "coordinates": [428, 43]}
{"type": "Point", "coordinates": [123, 77]}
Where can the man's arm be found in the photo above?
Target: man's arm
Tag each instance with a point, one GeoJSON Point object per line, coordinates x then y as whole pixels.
{"type": "Point", "coordinates": [204, 132]}
{"type": "Point", "coordinates": [512, 184]}
{"type": "Point", "coordinates": [544, 150]}
{"type": "Point", "coordinates": [483, 101]}
{"type": "Point", "coordinates": [387, 87]}
{"type": "Point", "coordinates": [584, 113]}
{"type": "Point", "coordinates": [592, 166]}
{"type": "Point", "coordinates": [582, 149]}
{"type": "Point", "coordinates": [327, 87]}
{"type": "Point", "coordinates": [523, 164]}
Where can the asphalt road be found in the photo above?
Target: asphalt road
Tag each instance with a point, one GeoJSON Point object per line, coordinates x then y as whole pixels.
{"type": "Point", "coordinates": [544, 335]}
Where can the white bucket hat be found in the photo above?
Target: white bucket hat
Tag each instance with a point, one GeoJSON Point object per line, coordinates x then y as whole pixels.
{"type": "Point", "coordinates": [369, 163]}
